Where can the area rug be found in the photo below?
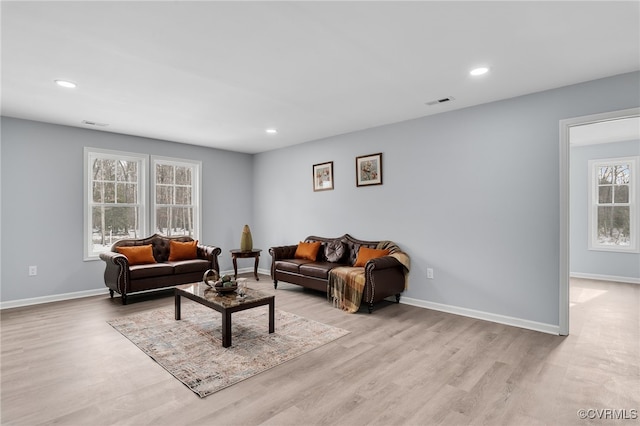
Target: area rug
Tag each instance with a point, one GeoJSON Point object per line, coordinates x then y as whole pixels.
{"type": "Point", "coordinates": [191, 349]}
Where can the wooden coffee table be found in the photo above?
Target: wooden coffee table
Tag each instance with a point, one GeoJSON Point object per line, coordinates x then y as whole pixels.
{"type": "Point", "coordinates": [226, 304]}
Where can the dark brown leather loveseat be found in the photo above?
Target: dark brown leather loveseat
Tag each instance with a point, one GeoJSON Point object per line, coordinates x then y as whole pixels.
{"type": "Point", "coordinates": [383, 277]}
{"type": "Point", "coordinates": [123, 278]}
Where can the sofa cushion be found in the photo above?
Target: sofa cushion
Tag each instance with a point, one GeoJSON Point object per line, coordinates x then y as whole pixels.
{"type": "Point", "coordinates": [307, 251]}
{"type": "Point", "coordinates": [365, 254]}
{"type": "Point", "coordinates": [150, 270]}
{"type": "Point", "coordinates": [334, 251]}
{"type": "Point", "coordinates": [138, 255]}
{"type": "Point", "coordinates": [291, 265]}
{"type": "Point", "coordinates": [179, 250]}
{"type": "Point", "coordinates": [193, 265]}
{"type": "Point", "coordinates": [317, 269]}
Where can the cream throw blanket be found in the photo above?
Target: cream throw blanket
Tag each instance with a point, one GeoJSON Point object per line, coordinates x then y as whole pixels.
{"type": "Point", "coordinates": [346, 283]}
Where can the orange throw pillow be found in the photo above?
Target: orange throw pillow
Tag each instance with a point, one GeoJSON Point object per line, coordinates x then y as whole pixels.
{"type": "Point", "coordinates": [182, 251]}
{"type": "Point", "coordinates": [307, 251]}
{"type": "Point", "coordinates": [138, 255]}
{"type": "Point", "coordinates": [365, 254]}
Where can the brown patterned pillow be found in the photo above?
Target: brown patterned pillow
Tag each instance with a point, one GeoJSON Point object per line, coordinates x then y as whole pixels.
{"type": "Point", "coordinates": [334, 251]}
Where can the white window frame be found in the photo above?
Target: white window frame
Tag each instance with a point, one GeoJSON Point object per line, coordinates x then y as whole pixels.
{"type": "Point", "coordinates": [95, 153]}
{"type": "Point", "coordinates": [634, 225]}
{"type": "Point", "coordinates": [196, 195]}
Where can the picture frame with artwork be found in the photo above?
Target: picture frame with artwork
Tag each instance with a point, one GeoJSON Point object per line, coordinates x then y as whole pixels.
{"type": "Point", "coordinates": [369, 170]}
{"type": "Point", "coordinates": [323, 176]}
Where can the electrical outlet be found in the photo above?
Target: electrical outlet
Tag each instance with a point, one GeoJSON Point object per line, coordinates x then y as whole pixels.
{"type": "Point", "coordinates": [430, 273]}
{"type": "Point", "coordinates": [33, 271]}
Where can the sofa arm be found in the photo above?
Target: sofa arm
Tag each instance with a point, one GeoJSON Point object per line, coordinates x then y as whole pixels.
{"type": "Point", "coordinates": [114, 259]}
{"type": "Point", "coordinates": [211, 254]}
{"type": "Point", "coordinates": [385, 276]}
{"type": "Point", "coordinates": [283, 252]}
{"type": "Point", "coordinates": [383, 262]}
{"type": "Point", "coordinates": [116, 272]}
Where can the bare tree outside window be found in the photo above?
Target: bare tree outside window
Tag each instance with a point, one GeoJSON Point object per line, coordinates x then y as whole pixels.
{"type": "Point", "coordinates": [613, 205]}
{"type": "Point", "coordinates": [126, 199]}
{"type": "Point", "coordinates": [614, 209]}
{"type": "Point", "coordinates": [175, 196]}
{"type": "Point", "coordinates": [114, 205]}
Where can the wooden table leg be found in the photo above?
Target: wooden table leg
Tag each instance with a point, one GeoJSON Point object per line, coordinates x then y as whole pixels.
{"type": "Point", "coordinates": [226, 329]}
{"type": "Point", "coordinates": [255, 267]}
{"type": "Point", "coordinates": [177, 306]}
{"type": "Point", "coordinates": [235, 267]}
{"type": "Point", "coordinates": [272, 316]}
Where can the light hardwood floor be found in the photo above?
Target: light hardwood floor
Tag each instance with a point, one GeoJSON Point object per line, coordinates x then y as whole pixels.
{"type": "Point", "coordinates": [402, 365]}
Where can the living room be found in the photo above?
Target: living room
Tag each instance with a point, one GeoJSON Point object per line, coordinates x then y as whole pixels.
{"type": "Point", "coordinates": [471, 193]}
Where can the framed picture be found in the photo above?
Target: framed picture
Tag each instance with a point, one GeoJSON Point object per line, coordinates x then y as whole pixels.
{"type": "Point", "coordinates": [369, 170]}
{"type": "Point", "coordinates": [323, 176]}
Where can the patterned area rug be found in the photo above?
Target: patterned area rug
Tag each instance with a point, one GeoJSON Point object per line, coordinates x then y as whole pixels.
{"type": "Point", "coordinates": [191, 349]}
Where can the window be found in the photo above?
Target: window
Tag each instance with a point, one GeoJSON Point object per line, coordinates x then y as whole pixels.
{"type": "Point", "coordinates": [117, 205]}
{"type": "Point", "coordinates": [114, 198]}
{"type": "Point", "coordinates": [176, 198]}
{"type": "Point", "coordinates": [613, 213]}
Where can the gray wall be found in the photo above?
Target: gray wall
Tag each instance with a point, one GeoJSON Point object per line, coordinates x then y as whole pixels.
{"type": "Point", "coordinates": [591, 262]}
{"type": "Point", "coordinates": [42, 203]}
{"type": "Point", "coordinates": [472, 193]}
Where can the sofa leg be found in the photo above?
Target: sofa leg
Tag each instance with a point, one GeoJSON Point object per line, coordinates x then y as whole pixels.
{"type": "Point", "coordinates": [124, 299]}
{"type": "Point", "coordinates": [398, 298]}
{"type": "Point", "coordinates": [111, 293]}
{"type": "Point", "coordinates": [370, 307]}
{"type": "Point", "coordinates": [275, 284]}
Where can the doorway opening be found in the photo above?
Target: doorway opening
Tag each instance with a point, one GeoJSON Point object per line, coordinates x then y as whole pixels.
{"type": "Point", "coordinates": [568, 129]}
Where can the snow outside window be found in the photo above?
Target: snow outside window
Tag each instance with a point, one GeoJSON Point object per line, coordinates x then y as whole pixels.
{"type": "Point", "coordinates": [176, 199]}
{"type": "Point", "coordinates": [114, 198]}
{"type": "Point", "coordinates": [613, 216]}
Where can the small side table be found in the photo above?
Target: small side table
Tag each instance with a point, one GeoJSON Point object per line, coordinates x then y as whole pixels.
{"type": "Point", "coordinates": [237, 253]}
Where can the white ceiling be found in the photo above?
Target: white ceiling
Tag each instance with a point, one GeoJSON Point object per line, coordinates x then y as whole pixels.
{"type": "Point", "coordinates": [219, 73]}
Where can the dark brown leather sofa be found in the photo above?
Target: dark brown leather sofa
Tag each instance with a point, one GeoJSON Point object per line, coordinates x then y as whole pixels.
{"type": "Point", "coordinates": [385, 276]}
{"type": "Point", "coordinates": [124, 279]}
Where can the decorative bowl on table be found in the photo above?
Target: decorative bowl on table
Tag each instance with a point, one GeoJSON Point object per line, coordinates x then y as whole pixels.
{"type": "Point", "coordinates": [221, 289]}
{"type": "Point", "coordinates": [210, 277]}
{"type": "Point", "coordinates": [221, 285]}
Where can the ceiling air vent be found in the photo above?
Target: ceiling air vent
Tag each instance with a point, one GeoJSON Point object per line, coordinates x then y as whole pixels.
{"type": "Point", "coordinates": [93, 123]}
{"type": "Point", "coordinates": [441, 101]}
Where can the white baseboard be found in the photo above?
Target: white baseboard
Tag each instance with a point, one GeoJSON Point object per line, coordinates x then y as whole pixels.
{"type": "Point", "coordinates": [52, 298]}
{"type": "Point", "coordinates": [501, 319]}
{"type": "Point", "coordinates": [486, 316]}
{"type": "Point", "coordinates": [264, 271]}
{"type": "Point", "coordinates": [599, 277]}
{"type": "Point", "coordinates": [248, 270]}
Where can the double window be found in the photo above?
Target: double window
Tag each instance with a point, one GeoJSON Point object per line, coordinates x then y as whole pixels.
{"type": "Point", "coordinates": [613, 215]}
{"type": "Point", "coordinates": [122, 202]}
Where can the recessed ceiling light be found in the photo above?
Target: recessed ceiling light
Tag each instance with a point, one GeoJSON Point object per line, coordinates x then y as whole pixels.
{"type": "Point", "coordinates": [479, 71]}
{"type": "Point", "coordinates": [272, 131]}
{"type": "Point", "coordinates": [66, 83]}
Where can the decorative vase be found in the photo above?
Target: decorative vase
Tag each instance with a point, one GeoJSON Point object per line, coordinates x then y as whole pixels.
{"type": "Point", "coordinates": [246, 242]}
